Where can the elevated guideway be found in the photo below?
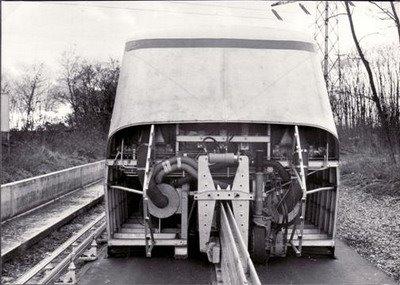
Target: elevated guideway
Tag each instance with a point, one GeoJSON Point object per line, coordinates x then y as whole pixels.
{"type": "Point", "coordinates": [34, 207]}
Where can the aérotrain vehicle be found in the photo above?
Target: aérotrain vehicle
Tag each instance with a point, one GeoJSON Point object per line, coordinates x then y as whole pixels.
{"type": "Point", "coordinates": [225, 113]}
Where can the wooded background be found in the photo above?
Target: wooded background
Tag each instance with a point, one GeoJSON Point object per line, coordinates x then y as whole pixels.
{"type": "Point", "coordinates": [366, 103]}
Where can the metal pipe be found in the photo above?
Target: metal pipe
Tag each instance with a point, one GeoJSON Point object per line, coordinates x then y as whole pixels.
{"type": "Point", "coordinates": [226, 158]}
{"type": "Point", "coordinates": [319, 189]}
{"type": "Point", "coordinates": [127, 189]}
{"type": "Point", "coordinates": [189, 169]}
{"type": "Point", "coordinates": [174, 160]}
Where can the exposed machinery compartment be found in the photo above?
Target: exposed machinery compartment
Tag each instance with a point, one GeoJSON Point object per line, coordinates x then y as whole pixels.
{"type": "Point", "coordinates": [254, 166]}
{"type": "Point", "coordinates": [222, 120]}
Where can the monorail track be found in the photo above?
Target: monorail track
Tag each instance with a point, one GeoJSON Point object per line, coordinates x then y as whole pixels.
{"type": "Point", "coordinates": [44, 233]}
{"type": "Point", "coordinates": [22, 232]}
{"type": "Point", "coordinates": [82, 246]}
{"type": "Point", "coordinates": [236, 266]}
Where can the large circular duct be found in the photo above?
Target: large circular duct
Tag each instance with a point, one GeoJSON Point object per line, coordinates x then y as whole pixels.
{"type": "Point", "coordinates": [172, 196]}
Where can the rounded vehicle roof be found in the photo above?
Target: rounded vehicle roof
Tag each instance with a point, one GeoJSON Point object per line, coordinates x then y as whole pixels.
{"type": "Point", "coordinates": [221, 74]}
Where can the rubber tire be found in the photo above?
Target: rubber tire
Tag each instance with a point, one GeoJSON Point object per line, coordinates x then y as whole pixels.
{"type": "Point", "coordinates": [258, 251]}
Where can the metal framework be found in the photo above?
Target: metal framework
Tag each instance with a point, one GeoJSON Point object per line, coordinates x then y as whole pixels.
{"type": "Point", "coordinates": [208, 195]}
{"type": "Point", "coordinates": [326, 36]}
{"type": "Point", "coordinates": [302, 181]}
{"type": "Point", "coordinates": [147, 175]}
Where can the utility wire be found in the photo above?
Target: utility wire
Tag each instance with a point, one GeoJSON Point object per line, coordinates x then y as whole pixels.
{"type": "Point", "coordinates": [221, 6]}
{"type": "Point", "coordinates": [156, 10]}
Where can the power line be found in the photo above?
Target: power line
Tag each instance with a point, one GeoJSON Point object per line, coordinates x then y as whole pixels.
{"type": "Point", "coordinates": [222, 6]}
{"type": "Point", "coordinates": [326, 35]}
{"type": "Point", "coordinates": [155, 10]}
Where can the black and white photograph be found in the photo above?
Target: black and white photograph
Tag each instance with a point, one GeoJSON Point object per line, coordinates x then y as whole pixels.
{"type": "Point", "coordinates": [200, 142]}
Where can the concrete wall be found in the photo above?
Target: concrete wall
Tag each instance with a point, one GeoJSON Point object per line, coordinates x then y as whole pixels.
{"type": "Point", "coordinates": [21, 196]}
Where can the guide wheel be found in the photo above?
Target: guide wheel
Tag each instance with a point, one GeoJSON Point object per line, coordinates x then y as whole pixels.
{"type": "Point", "coordinates": [259, 253]}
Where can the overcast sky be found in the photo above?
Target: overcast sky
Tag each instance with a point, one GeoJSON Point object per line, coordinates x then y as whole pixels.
{"type": "Point", "coordinates": [41, 31]}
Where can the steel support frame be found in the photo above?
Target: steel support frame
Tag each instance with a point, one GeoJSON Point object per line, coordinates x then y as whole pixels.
{"type": "Point", "coordinates": [301, 177]}
{"type": "Point", "coordinates": [181, 252]}
{"type": "Point", "coordinates": [149, 239]}
{"type": "Point", "coordinates": [208, 195]}
{"type": "Point", "coordinates": [219, 138]}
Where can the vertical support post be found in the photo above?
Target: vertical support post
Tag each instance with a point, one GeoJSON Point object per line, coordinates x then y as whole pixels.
{"type": "Point", "coordinates": [147, 175]}
{"type": "Point", "coordinates": [302, 185]}
{"type": "Point", "coordinates": [122, 151]}
{"type": "Point", "coordinates": [326, 42]}
{"type": "Point", "coordinates": [177, 143]}
{"type": "Point", "coordinates": [116, 209]}
{"type": "Point", "coordinates": [337, 182]}
{"type": "Point", "coordinates": [269, 143]}
{"type": "Point", "coordinates": [181, 252]}
{"type": "Point", "coordinates": [184, 211]}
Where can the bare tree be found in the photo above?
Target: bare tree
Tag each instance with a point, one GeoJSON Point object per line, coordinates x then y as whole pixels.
{"type": "Point", "coordinates": [375, 97]}
{"type": "Point", "coordinates": [88, 88]}
{"type": "Point", "coordinates": [390, 14]}
{"type": "Point", "coordinates": [30, 93]}
{"type": "Point", "coordinates": [67, 91]}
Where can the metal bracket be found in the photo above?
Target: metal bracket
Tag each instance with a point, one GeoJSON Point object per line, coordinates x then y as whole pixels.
{"type": "Point", "coordinates": [241, 209]}
{"type": "Point", "coordinates": [70, 276]}
{"type": "Point", "coordinates": [91, 253]}
{"type": "Point", "coordinates": [224, 195]}
{"type": "Point", "coordinates": [214, 250]}
{"type": "Point", "coordinates": [205, 208]}
{"type": "Point", "coordinates": [207, 195]}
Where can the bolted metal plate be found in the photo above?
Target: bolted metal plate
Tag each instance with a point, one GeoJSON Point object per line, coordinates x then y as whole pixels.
{"type": "Point", "coordinates": [205, 208]}
{"type": "Point", "coordinates": [241, 208]}
{"type": "Point", "coordinates": [223, 195]}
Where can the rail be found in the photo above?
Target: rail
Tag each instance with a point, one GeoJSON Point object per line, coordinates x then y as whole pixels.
{"type": "Point", "coordinates": [236, 266]}
{"type": "Point", "coordinates": [50, 273]}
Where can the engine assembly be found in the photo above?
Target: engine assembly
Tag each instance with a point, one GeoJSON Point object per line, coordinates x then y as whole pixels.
{"type": "Point", "coordinates": [185, 170]}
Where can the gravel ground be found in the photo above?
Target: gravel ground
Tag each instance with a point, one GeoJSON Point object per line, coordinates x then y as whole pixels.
{"type": "Point", "coordinates": [369, 219]}
{"type": "Point", "coordinates": [15, 267]}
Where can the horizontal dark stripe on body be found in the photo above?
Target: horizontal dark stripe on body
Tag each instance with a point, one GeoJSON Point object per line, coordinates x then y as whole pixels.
{"type": "Point", "coordinates": [219, 43]}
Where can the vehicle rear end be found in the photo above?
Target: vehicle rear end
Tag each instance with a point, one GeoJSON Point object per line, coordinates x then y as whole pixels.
{"type": "Point", "coordinates": [228, 117]}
